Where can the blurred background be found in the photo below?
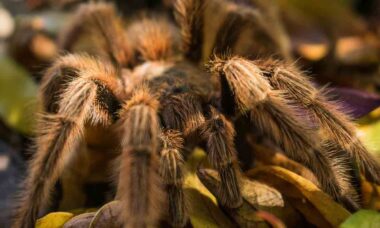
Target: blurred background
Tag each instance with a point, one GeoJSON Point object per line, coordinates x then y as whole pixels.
{"type": "Point", "coordinates": [337, 42]}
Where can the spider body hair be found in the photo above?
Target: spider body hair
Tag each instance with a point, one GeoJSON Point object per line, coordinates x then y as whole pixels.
{"type": "Point", "coordinates": [147, 86]}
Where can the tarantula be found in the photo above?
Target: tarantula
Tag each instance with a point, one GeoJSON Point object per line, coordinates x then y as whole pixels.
{"type": "Point", "coordinates": [143, 99]}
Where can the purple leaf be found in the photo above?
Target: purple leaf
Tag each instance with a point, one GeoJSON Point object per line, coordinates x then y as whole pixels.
{"type": "Point", "coordinates": [355, 102]}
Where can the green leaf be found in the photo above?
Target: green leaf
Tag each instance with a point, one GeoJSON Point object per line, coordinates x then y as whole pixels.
{"type": "Point", "coordinates": [18, 94]}
{"type": "Point", "coordinates": [362, 219]}
{"type": "Point", "coordinates": [369, 134]}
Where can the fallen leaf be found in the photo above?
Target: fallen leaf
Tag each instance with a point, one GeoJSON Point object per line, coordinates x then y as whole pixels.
{"type": "Point", "coordinates": [203, 207]}
{"type": "Point", "coordinates": [363, 219]}
{"type": "Point", "coordinates": [316, 206]}
{"type": "Point", "coordinates": [107, 216]}
{"type": "Point", "coordinates": [54, 220]}
{"type": "Point", "coordinates": [80, 221]}
{"type": "Point", "coordinates": [257, 196]}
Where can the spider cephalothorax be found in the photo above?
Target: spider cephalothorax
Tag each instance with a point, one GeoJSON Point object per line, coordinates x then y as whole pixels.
{"type": "Point", "coordinates": [140, 97]}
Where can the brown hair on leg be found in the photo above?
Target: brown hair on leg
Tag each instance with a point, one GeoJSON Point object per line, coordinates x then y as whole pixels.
{"type": "Point", "coordinates": [58, 136]}
{"type": "Point", "coordinates": [154, 39]}
{"type": "Point", "coordinates": [219, 135]}
{"type": "Point", "coordinates": [139, 187]}
{"type": "Point", "coordinates": [182, 112]}
{"type": "Point", "coordinates": [103, 28]}
{"type": "Point", "coordinates": [54, 148]}
{"type": "Point", "coordinates": [68, 68]}
{"type": "Point", "coordinates": [171, 170]}
{"type": "Point", "coordinates": [334, 122]}
{"type": "Point", "coordinates": [271, 114]}
{"type": "Point", "coordinates": [61, 130]}
{"type": "Point", "coordinates": [189, 15]}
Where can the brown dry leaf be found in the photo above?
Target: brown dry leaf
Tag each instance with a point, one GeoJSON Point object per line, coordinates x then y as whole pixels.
{"type": "Point", "coordinates": [316, 206]}
{"type": "Point", "coordinates": [80, 221]}
{"type": "Point", "coordinates": [257, 197]}
{"type": "Point", "coordinates": [107, 216]}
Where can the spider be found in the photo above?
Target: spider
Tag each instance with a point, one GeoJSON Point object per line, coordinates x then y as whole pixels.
{"type": "Point", "coordinates": [141, 99]}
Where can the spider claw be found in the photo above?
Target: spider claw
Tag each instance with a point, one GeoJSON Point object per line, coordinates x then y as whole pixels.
{"type": "Point", "coordinates": [230, 199]}
{"type": "Point", "coordinates": [229, 191]}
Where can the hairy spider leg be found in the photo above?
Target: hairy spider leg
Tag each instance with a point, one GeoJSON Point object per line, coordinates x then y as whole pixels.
{"type": "Point", "coordinates": [60, 133]}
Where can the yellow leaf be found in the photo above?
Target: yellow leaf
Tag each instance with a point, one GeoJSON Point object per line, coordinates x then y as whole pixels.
{"type": "Point", "coordinates": [54, 220]}
{"type": "Point", "coordinates": [203, 207]}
